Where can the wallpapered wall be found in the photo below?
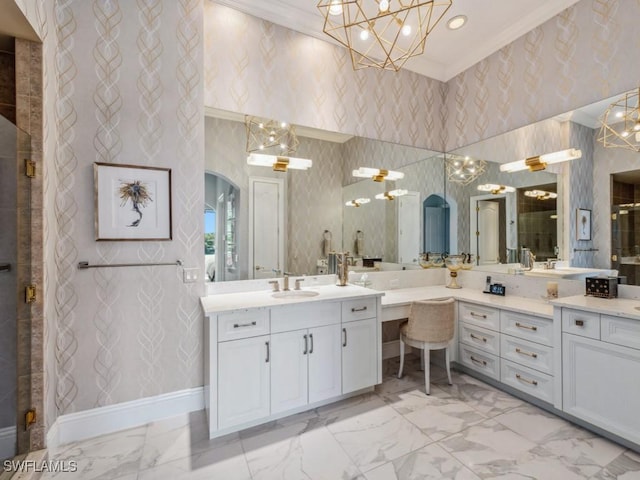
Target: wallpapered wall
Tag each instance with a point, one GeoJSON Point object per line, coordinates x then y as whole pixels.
{"type": "Point", "coordinates": [126, 82]}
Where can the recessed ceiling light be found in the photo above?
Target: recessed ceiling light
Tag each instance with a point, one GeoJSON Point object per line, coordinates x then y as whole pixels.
{"type": "Point", "coordinates": [457, 22]}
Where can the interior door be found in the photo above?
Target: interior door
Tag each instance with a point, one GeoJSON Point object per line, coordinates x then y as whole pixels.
{"type": "Point", "coordinates": [266, 227]}
{"type": "Point", "coordinates": [488, 233]}
{"type": "Point", "coordinates": [408, 227]}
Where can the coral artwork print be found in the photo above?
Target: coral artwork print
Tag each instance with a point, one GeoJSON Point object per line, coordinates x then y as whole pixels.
{"type": "Point", "coordinates": [139, 195]}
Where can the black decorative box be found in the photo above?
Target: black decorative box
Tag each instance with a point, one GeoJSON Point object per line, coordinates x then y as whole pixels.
{"type": "Point", "coordinates": [602, 287]}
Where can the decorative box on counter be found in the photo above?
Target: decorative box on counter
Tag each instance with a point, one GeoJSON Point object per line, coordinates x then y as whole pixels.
{"type": "Point", "coordinates": [603, 287]}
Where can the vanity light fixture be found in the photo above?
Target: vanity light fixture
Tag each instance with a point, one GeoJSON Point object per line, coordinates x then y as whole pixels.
{"type": "Point", "coordinates": [464, 169]}
{"type": "Point", "coordinates": [278, 163]}
{"type": "Point", "coordinates": [541, 194]}
{"type": "Point", "coordinates": [270, 136]}
{"type": "Point", "coordinates": [621, 123]}
{"type": "Point", "coordinates": [357, 202]}
{"type": "Point", "coordinates": [535, 164]}
{"type": "Point", "coordinates": [382, 33]}
{"type": "Point", "coordinates": [392, 194]}
{"type": "Point", "coordinates": [377, 174]}
{"type": "Point", "coordinates": [496, 189]}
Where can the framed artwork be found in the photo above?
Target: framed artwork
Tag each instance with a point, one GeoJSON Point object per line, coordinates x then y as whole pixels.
{"type": "Point", "coordinates": [583, 224]}
{"type": "Point", "coordinates": [132, 202]}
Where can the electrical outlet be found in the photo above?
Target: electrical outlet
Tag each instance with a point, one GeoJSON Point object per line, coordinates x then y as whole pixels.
{"type": "Point", "coordinates": [190, 275]}
{"type": "Point", "coordinates": [395, 283]}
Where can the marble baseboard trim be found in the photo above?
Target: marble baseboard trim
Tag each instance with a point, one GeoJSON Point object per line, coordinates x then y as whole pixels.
{"type": "Point", "coordinates": [100, 421]}
{"type": "Point", "coordinates": [8, 441]}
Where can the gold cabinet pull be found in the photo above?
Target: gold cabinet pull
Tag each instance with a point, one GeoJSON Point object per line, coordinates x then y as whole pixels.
{"type": "Point", "coordinates": [528, 354]}
{"type": "Point", "coordinates": [527, 327]}
{"type": "Point", "coordinates": [477, 315]}
{"type": "Point", "coordinates": [525, 380]}
{"type": "Point", "coordinates": [475, 337]}
{"type": "Point", "coordinates": [481, 362]}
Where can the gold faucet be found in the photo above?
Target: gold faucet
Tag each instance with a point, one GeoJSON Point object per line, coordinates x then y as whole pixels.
{"type": "Point", "coordinates": [285, 287]}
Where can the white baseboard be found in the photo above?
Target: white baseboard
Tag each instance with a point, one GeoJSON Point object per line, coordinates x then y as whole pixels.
{"type": "Point", "coordinates": [121, 416]}
{"type": "Point", "coordinates": [8, 442]}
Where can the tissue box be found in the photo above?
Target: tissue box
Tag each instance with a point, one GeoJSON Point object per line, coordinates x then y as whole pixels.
{"type": "Point", "coordinates": [602, 287]}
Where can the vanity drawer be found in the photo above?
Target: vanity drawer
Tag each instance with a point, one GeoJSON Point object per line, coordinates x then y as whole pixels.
{"type": "Point", "coordinates": [243, 324]}
{"type": "Point", "coordinates": [529, 327]}
{"type": "Point", "coordinates": [358, 309]}
{"type": "Point", "coordinates": [479, 315]}
{"type": "Point", "coordinates": [579, 322]}
{"type": "Point", "coordinates": [527, 380]}
{"type": "Point", "coordinates": [529, 354]}
{"type": "Point", "coordinates": [620, 331]}
{"type": "Point", "coordinates": [480, 361]}
{"type": "Point", "coordinates": [481, 338]}
{"type": "Point", "coordinates": [308, 315]}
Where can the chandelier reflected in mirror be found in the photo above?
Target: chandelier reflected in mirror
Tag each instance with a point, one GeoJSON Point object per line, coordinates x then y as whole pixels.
{"type": "Point", "coordinates": [621, 123]}
{"type": "Point", "coordinates": [270, 136]}
{"type": "Point", "coordinates": [382, 33]}
{"type": "Point", "coordinates": [464, 169]}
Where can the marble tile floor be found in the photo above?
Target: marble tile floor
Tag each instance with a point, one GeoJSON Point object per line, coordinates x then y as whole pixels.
{"type": "Point", "coordinates": [466, 431]}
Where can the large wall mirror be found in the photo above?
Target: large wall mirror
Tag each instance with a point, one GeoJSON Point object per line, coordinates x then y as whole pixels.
{"type": "Point", "coordinates": [260, 223]}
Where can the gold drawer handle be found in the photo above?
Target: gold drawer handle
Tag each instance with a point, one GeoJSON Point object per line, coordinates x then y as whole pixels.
{"type": "Point", "coordinates": [478, 315]}
{"type": "Point", "coordinates": [519, 325]}
{"type": "Point", "coordinates": [475, 337]}
{"type": "Point", "coordinates": [530, 382]}
{"type": "Point", "coordinates": [239, 325]}
{"type": "Point", "coordinates": [481, 362]}
{"type": "Point", "coordinates": [579, 323]}
{"type": "Point", "coordinates": [528, 354]}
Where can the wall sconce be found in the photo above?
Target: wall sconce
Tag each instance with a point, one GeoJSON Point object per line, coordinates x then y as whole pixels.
{"type": "Point", "coordinates": [392, 194]}
{"type": "Point", "coordinates": [496, 189]}
{"type": "Point", "coordinates": [377, 174]}
{"type": "Point", "coordinates": [535, 164]}
{"type": "Point", "coordinates": [541, 194]}
{"type": "Point", "coordinates": [357, 202]}
{"type": "Point", "coordinates": [279, 164]}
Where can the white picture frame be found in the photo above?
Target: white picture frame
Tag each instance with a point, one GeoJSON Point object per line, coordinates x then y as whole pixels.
{"type": "Point", "coordinates": [132, 202]}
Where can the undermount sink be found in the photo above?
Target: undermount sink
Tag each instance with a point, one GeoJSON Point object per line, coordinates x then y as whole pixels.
{"type": "Point", "coordinates": [295, 293]}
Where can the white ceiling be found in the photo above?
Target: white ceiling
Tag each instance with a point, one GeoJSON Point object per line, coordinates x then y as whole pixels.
{"type": "Point", "coordinates": [491, 25]}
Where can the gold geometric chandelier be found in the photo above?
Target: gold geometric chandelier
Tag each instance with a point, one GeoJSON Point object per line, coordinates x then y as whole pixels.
{"type": "Point", "coordinates": [270, 136]}
{"type": "Point", "coordinates": [463, 169]}
{"type": "Point", "coordinates": [621, 123]}
{"type": "Point", "coordinates": [382, 33]}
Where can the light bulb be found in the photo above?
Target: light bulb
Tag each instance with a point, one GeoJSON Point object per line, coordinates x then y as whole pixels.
{"type": "Point", "coordinates": [636, 127]}
{"type": "Point", "coordinates": [467, 157]}
{"type": "Point", "coordinates": [406, 30]}
{"type": "Point", "coordinates": [283, 146]}
{"type": "Point", "coordinates": [364, 35]}
{"type": "Point", "coordinates": [624, 134]}
{"type": "Point", "coordinates": [261, 147]}
{"type": "Point", "coordinates": [456, 163]}
{"type": "Point", "coordinates": [271, 138]}
{"type": "Point", "coordinates": [283, 125]}
{"type": "Point", "coordinates": [383, 6]}
{"type": "Point", "coordinates": [335, 8]}
{"type": "Point", "coordinates": [261, 125]}
{"type": "Point", "coordinates": [619, 115]}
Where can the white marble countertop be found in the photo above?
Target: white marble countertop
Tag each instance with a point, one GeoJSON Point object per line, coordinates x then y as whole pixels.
{"type": "Point", "coordinates": [617, 307]}
{"type": "Point", "coordinates": [228, 302]}
{"type": "Point", "coordinates": [404, 296]}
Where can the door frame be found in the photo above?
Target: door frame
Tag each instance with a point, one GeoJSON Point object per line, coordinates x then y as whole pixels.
{"type": "Point", "coordinates": [418, 196]}
{"type": "Point", "coordinates": [281, 220]}
{"type": "Point", "coordinates": [473, 218]}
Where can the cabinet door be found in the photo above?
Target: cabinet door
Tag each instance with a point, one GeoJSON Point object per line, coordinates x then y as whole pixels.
{"type": "Point", "coordinates": [358, 355]}
{"type": "Point", "coordinates": [600, 384]}
{"type": "Point", "coordinates": [243, 380]}
{"type": "Point", "coordinates": [289, 370]}
{"type": "Point", "coordinates": [325, 355]}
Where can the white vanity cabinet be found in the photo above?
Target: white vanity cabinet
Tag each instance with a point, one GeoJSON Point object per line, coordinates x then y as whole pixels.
{"type": "Point", "coordinates": [511, 347]}
{"type": "Point", "coordinates": [359, 344]}
{"type": "Point", "coordinates": [601, 365]}
{"type": "Point", "coordinates": [265, 363]}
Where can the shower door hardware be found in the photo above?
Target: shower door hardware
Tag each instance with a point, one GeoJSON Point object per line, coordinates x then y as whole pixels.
{"type": "Point", "coordinates": [5, 267]}
{"type": "Point", "coordinates": [30, 293]}
{"type": "Point", "coordinates": [30, 418]}
{"type": "Point", "coordinates": [29, 168]}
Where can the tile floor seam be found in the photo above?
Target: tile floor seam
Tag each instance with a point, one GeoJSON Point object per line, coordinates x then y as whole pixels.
{"type": "Point", "coordinates": [346, 453]}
